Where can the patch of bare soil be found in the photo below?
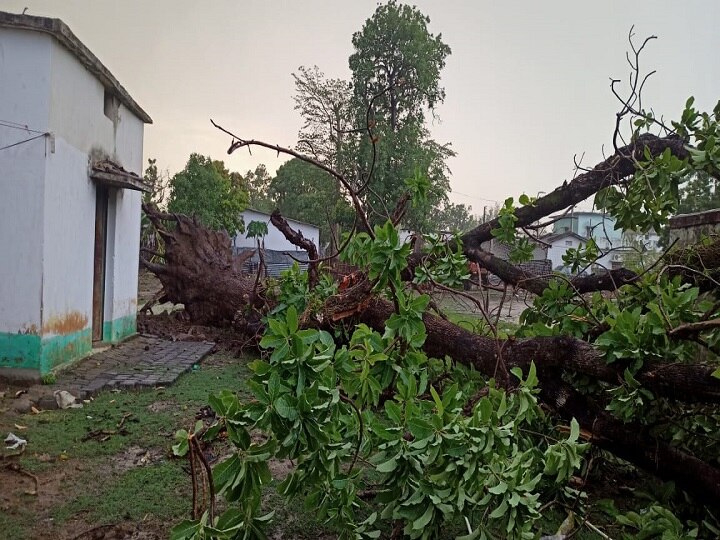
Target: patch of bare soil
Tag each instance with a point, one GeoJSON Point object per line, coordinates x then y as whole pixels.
{"type": "Point", "coordinates": [18, 496]}
{"type": "Point", "coordinates": [135, 456]}
{"type": "Point", "coordinates": [160, 406]}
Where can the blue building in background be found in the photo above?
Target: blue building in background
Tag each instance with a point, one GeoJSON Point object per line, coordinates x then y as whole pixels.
{"type": "Point", "coordinates": [577, 227]}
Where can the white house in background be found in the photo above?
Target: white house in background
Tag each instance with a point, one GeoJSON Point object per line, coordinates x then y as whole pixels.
{"type": "Point", "coordinates": [274, 240]}
{"type": "Point", "coordinates": [559, 243]}
{"type": "Point", "coordinates": [502, 250]}
{"type": "Point", "coordinates": [71, 152]}
{"type": "Point", "coordinates": [275, 244]}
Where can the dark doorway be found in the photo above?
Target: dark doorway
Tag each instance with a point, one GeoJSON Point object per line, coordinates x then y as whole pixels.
{"type": "Point", "coordinates": [101, 214]}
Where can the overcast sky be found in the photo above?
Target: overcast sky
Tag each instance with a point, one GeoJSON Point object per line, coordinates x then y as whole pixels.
{"type": "Point", "coordinates": [527, 82]}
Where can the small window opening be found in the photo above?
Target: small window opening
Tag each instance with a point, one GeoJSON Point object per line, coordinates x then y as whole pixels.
{"type": "Point", "coordinates": [111, 106]}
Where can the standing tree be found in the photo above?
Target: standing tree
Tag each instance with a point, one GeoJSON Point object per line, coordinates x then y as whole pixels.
{"type": "Point", "coordinates": [701, 192]}
{"type": "Point", "coordinates": [257, 184]}
{"type": "Point", "coordinates": [326, 109]}
{"type": "Point", "coordinates": [399, 60]}
{"type": "Point", "coordinates": [454, 217]}
{"type": "Point", "coordinates": [207, 190]}
{"type": "Point", "coordinates": [396, 79]}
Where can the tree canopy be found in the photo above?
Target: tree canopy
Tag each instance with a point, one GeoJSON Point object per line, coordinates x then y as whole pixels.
{"type": "Point", "coordinates": [257, 184]}
{"type": "Point", "coordinates": [397, 59]}
{"type": "Point", "coordinates": [209, 191]}
{"type": "Point", "coordinates": [396, 78]}
{"type": "Point", "coordinates": [700, 192]}
{"type": "Point", "coordinates": [328, 124]}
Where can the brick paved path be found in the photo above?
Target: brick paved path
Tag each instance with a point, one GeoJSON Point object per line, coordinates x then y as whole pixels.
{"type": "Point", "coordinates": [141, 362]}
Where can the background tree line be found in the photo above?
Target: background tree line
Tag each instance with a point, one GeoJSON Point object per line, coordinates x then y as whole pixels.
{"type": "Point", "coordinates": [396, 67]}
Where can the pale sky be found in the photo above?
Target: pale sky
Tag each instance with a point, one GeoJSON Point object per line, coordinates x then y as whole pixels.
{"type": "Point", "coordinates": [527, 82]}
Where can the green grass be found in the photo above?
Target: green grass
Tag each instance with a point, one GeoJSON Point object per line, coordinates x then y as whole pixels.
{"type": "Point", "coordinates": [16, 524]}
{"type": "Point", "coordinates": [96, 491]}
{"type": "Point", "coordinates": [476, 323]}
{"type": "Point", "coordinates": [59, 434]}
{"type": "Point", "coordinates": [194, 388]}
{"type": "Point", "coordinates": [292, 519]}
{"type": "Point", "coordinates": [160, 490]}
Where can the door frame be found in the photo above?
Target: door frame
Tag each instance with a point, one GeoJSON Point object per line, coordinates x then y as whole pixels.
{"type": "Point", "coordinates": [99, 261]}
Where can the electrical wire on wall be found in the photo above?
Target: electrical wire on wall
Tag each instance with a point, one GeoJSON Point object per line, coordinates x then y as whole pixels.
{"type": "Point", "coordinates": [22, 127]}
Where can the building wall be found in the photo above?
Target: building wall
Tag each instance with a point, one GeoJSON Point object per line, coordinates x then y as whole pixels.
{"type": "Point", "coordinates": [499, 249]}
{"type": "Point", "coordinates": [689, 229]}
{"type": "Point", "coordinates": [601, 227]}
{"type": "Point", "coordinates": [559, 247]}
{"type": "Point", "coordinates": [47, 207]}
{"type": "Point", "coordinates": [87, 130]}
{"type": "Point", "coordinates": [69, 225]}
{"type": "Point", "coordinates": [24, 99]}
{"type": "Point", "coordinates": [275, 239]}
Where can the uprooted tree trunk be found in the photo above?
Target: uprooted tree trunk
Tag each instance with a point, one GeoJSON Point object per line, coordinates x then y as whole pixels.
{"type": "Point", "coordinates": [199, 272]}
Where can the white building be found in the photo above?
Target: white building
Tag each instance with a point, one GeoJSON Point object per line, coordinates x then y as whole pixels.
{"type": "Point", "coordinates": [275, 240]}
{"type": "Point", "coordinates": [279, 254]}
{"type": "Point", "coordinates": [573, 230]}
{"type": "Point", "coordinates": [71, 152]}
{"type": "Point", "coordinates": [559, 243]}
{"type": "Point", "coordinates": [502, 250]}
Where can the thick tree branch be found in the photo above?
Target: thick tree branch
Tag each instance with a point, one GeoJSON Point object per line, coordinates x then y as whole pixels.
{"type": "Point", "coordinates": [607, 173]}
{"type": "Point", "coordinates": [296, 238]}
{"type": "Point", "coordinates": [633, 443]}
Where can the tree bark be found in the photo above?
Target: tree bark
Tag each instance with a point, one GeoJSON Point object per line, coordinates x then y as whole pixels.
{"type": "Point", "coordinates": [612, 171]}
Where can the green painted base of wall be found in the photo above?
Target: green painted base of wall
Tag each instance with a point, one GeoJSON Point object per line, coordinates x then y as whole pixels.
{"type": "Point", "coordinates": [119, 329]}
{"type": "Point", "coordinates": [59, 350]}
{"type": "Point", "coordinates": [29, 351]}
{"type": "Point", "coordinates": [20, 351]}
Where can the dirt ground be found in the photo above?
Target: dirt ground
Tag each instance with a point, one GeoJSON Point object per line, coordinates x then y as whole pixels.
{"type": "Point", "coordinates": [70, 486]}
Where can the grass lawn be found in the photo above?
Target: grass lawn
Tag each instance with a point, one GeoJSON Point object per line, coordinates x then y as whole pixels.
{"type": "Point", "coordinates": [129, 475]}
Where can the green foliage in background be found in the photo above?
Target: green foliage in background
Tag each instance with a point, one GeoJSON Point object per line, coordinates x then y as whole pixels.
{"type": "Point", "coordinates": [207, 190]}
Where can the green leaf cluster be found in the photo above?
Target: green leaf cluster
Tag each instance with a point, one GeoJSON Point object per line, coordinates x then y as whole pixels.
{"type": "Point", "coordinates": [207, 190]}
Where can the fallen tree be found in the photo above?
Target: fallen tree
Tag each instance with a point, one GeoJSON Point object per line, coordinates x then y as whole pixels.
{"type": "Point", "coordinates": [211, 281]}
{"type": "Point", "coordinates": [365, 370]}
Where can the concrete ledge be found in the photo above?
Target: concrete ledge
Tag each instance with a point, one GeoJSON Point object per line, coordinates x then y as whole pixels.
{"type": "Point", "coordinates": [683, 221]}
{"type": "Point", "coordinates": [19, 376]}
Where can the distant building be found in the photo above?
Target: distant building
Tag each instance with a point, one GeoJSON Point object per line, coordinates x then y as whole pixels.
{"type": "Point", "coordinates": [275, 244]}
{"type": "Point", "coordinates": [502, 250]}
{"type": "Point", "coordinates": [575, 228]}
{"type": "Point", "coordinates": [595, 225]}
{"type": "Point", "coordinates": [71, 156]}
{"type": "Point", "coordinates": [559, 243]}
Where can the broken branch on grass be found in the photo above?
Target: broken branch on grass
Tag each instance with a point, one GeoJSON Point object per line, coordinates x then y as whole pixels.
{"type": "Point", "coordinates": [15, 467]}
